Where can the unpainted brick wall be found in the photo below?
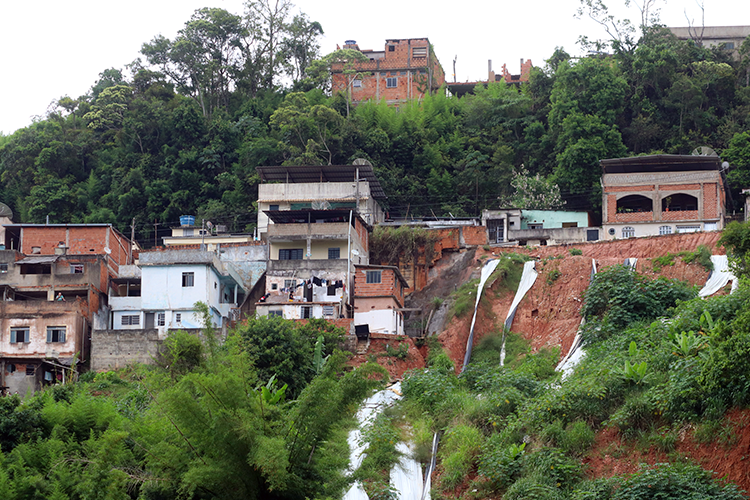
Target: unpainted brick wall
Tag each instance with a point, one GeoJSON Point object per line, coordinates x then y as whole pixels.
{"type": "Point", "coordinates": [475, 235]}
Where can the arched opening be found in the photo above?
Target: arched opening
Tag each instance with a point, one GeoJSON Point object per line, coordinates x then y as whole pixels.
{"type": "Point", "coordinates": [679, 202]}
{"type": "Point", "coordinates": [634, 203]}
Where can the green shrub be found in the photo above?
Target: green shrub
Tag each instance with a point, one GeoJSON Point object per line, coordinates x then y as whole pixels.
{"type": "Point", "coordinates": [577, 438]}
{"type": "Point", "coordinates": [552, 463]}
{"type": "Point", "coordinates": [381, 437]}
{"type": "Point", "coordinates": [553, 276]}
{"type": "Point", "coordinates": [622, 296]}
{"type": "Point", "coordinates": [575, 251]}
{"type": "Point", "coordinates": [181, 352]}
{"type": "Point", "coordinates": [460, 446]}
{"type": "Point", "coordinates": [400, 352]}
{"type": "Point", "coordinates": [675, 481]}
{"type": "Point", "coordinates": [535, 487]}
{"type": "Point", "coordinates": [463, 299]}
{"type": "Point", "coordinates": [657, 263]}
{"type": "Point", "coordinates": [499, 463]}
{"type": "Point", "coordinates": [701, 255]}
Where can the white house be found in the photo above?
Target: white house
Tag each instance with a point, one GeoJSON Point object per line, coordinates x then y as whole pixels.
{"type": "Point", "coordinates": [161, 292]}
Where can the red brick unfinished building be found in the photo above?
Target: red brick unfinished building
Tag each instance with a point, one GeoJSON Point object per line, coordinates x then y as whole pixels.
{"type": "Point", "coordinates": [662, 194]}
{"type": "Point", "coordinates": [405, 69]}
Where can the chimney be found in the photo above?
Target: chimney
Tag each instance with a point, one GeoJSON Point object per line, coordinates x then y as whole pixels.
{"type": "Point", "coordinates": [490, 73]}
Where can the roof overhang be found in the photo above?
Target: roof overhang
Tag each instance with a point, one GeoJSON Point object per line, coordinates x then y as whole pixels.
{"type": "Point", "coordinates": [46, 259]}
{"type": "Point", "coordinates": [660, 163]}
{"type": "Point", "coordinates": [324, 173]}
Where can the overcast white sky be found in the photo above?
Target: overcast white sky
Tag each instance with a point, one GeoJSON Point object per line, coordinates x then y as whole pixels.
{"type": "Point", "coordinates": [53, 48]}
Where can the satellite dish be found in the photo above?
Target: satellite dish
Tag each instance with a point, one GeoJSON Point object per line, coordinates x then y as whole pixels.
{"type": "Point", "coordinates": [320, 205]}
{"type": "Point", "coordinates": [704, 151]}
{"type": "Point", "coordinates": [361, 161]}
{"type": "Point", "coordinates": [107, 250]}
{"type": "Point", "coordinates": [5, 211]}
{"type": "Point", "coordinates": [209, 224]}
{"type": "Point", "coordinates": [724, 165]}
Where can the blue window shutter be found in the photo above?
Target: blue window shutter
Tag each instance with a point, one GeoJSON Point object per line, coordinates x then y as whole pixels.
{"type": "Point", "coordinates": [49, 336]}
{"type": "Point", "coordinates": [62, 335]}
{"type": "Point", "coordinates": [12, 336]}
{"type": "Point", "coordinates": [26, 336]}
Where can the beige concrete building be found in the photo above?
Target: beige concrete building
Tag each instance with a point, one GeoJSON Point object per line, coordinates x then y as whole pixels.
{"type": "Point", "coordinates": [336, 187]}
{"type": "Point", "coordinates": [729, 38]}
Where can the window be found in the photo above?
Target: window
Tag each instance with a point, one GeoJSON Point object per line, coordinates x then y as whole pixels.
{"type": "Point", "coordinates": [665, 230]}
{"type": "Point", "coordinates": [357, 83]}
{"type": "Point", "coordinates": [215, 285]}
{"type": "Point", "coordinates": [419, 52]}
{"type": "Point", "coordinates": [290, 283]}
{"type": "Point", "coordinates": [131, 320]}
{"type": "Point", "coordinates": [76, 269]}
{"type": "Point", "coordinates": [688, 229]}
{"type": "Point", "coordinates": [331, 290]}
{"type": "Point", "coordinates": [274, 286]}
{"type": "Point", "coordinates": [374, 276]}
{"type": "Point", "coordinates": [30, 370]}
{"type": "Point", "coordinates": [391, 48]}
{"type": "Point", "coordinates": [290, 254]}
{"type": "Point", "coordinates": [273, 208]}
{"type": "Point", "coordinates": [327, 310]}
{"type": "Point", "coordinates": [19, 335]}
{"type": "Point", "coordinates": [55, 334]}
{"type": "Point", "coordinates": [306, 312]}
{"type": "Point", "coordinates": [728, 46]}
{"type": "Point", "coordinates": [178, 317]}
{"type": "Point", "coordinates": [3, 268]}
{"type": "Point", "coordinates": [391, 82]}
{"type": "Point", "coordinates": [628, 232]}
{"type": "Point", "coordinates": [161, 319]}
{"type": "Point", "coordinates": [334, 253]}
{"type": "Point", "coordinates": [36, 249]}
{"type": "Point", "coordinates": [535, 226]}
{"type": "Point", "coordinates": [275, 313]}
{"type": "Point", "coordinates": [187, 232]}
{"type": "Point", "coordinates": [188, 279]}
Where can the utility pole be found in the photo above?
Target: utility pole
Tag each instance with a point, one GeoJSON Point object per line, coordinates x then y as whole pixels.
{"type": "Point", "coordinates": [132, 239]}
{"type": "Point", "coordinates": [155, 232]}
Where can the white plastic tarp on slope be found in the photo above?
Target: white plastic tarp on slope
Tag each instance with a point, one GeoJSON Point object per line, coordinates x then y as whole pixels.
{"type": "Point", "coordinates": [576, 353]}
{"type": "Point", "coordinates": [527, 281]}
{"type": "Point", "coordinates": [406, 476]}
{"type": "Point", "coordinates": [487, 270]}
{"type": "Point", "coordinates": [720, 276]}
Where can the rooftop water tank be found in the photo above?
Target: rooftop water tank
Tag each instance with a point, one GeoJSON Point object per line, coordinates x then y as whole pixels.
{"type": "Point", "coordinates": [187, 220]}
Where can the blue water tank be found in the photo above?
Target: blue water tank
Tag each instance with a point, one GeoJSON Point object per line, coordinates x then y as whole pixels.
{"type": "Point", "coordinates": [187, 220]}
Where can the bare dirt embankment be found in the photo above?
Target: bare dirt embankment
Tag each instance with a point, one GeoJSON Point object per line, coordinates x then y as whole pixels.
{"type": "Point", "coordinates": [612, 455]}
{"type": "Point", "coordinates": [549, 315]}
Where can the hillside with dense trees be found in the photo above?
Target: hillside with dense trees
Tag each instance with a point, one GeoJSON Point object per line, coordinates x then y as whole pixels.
{"type": "Point", "coordinates": [182, 129]}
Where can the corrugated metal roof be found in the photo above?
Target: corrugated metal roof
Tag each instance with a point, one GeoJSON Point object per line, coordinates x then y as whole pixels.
{"type": "Point", "coordinates": [324, 173]}
{"type": "Point", "coordinates": [660, 163]}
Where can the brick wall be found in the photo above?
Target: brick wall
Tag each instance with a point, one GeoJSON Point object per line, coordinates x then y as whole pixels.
{"type": "Point", "coordinates": [710, 202]}
{"type": "Point", "coordinates": [680, 215]}
{"type": "Point", "coordinates": [411, 73]}
{"type": "Point", "coordinates": [627, 189]}
{"type": "Point", "coordinates": [633, 217]}
{"type": "Point", "coordinates": [475, 235]}
{"type": "Point", "coordinates": [388, 284]}
{"type": "Point", "coordinates": [364, 235]}
{"type": "Point", "coordinates": [679, 187]}
{"type": "Point", "coordinates": [611, 207]}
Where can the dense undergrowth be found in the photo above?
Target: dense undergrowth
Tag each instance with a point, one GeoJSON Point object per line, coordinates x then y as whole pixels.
{"type": "Point", "coordinates": [657, 358]}
{"type": "Point", "coordinates": [246, 419]}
